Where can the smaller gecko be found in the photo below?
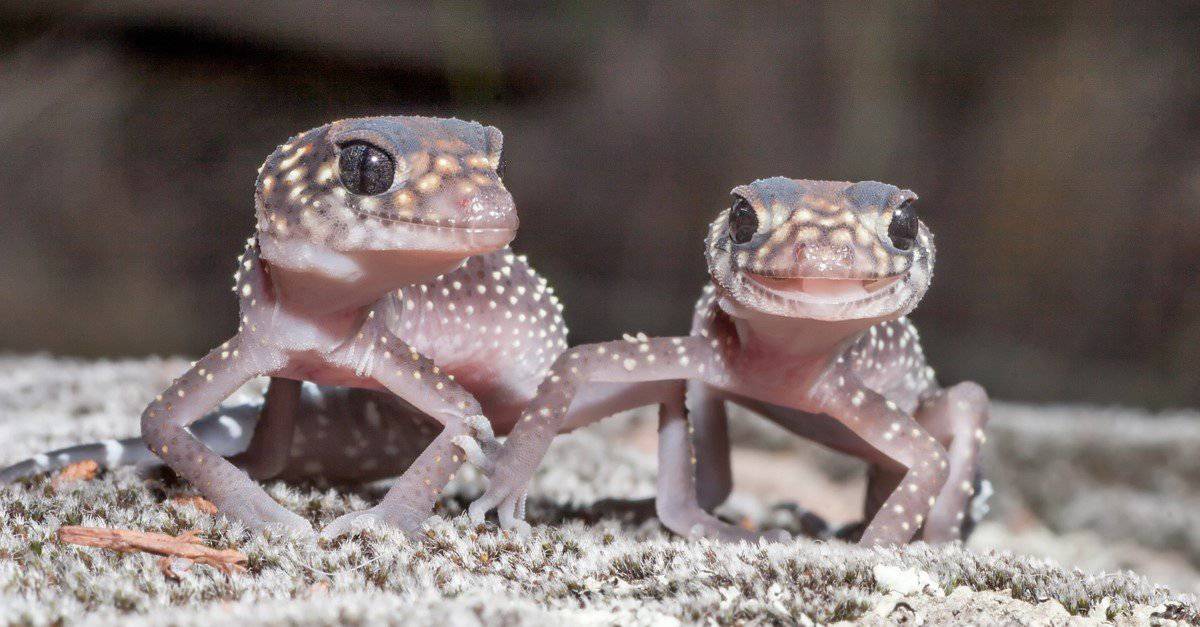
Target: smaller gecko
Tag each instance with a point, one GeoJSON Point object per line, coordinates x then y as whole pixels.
{"type": "Point", "coordinates": [804, 321]}
{"type": "Point", "coordinates": [380, 262]}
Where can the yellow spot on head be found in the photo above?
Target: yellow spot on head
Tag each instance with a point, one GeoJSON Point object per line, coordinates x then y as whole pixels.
{"type": "Point", "coordinates": [808, 234]}
{"type": "Point", "coordinates": [446, 164]}
{"type": "Point", "coordinates": [429, 183]}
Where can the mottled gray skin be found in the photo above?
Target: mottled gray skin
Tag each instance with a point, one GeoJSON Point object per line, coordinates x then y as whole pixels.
{"type": "Point", "coordinates": [805, 323]}
{"type": "Point", "coordinates": [404, 304]}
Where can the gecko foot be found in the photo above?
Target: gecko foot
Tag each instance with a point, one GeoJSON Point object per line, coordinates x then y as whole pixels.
{"type": "Point", "coordinates": [482, 448]}
{"type": "Point", "coordinates": [701, 524]}
{"type": "Point", "coordinates": [261, 512]}
{"type": "Point", "coordinates": [383, 515]}
{"type": "Point", "coordinates": [507, 500]}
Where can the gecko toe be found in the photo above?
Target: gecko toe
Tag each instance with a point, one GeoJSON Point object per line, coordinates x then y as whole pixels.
{"type": "Point", "coordinates": [349, 523]}
{"type": "Point", "coordinates": [260, 512]}
{"type": "Point", "coordinates": [480, 426]}
{"type": "Point", "coordinates": [511, 512]}
{"type": "Point", "coordinates": [491, 499]}
{"type": "Point", "coordinates": [475, 453]}
{"type": "Point", "coordinates": [777, 535]}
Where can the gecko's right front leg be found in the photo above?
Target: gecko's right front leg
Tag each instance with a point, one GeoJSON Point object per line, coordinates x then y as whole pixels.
{"type": "Point", "coordinates": [419, 381]}
{"type": "Point", "coordinates": [650, 369]}
{"type": "Point", "coordinates": [190, 397]}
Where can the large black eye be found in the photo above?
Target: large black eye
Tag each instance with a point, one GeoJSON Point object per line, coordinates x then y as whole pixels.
{"type": "Point", "coordinates": [743, 221]}
{"type": "Point", "coordinates": [904, 226]}
{"type": "Point", "coordinates": [365, 169]}
{"type": "Point", "coordinates": [501, 167]}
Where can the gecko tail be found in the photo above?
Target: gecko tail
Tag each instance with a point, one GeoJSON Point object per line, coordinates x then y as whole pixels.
{"type": "Point", "coordinates": [226, 431]}
{"type": "Point", "coordinates": [108, 454]}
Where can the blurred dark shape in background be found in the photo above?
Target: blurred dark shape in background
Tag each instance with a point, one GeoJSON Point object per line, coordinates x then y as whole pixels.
{"type": "Point", "coordinates": [1056, 151]}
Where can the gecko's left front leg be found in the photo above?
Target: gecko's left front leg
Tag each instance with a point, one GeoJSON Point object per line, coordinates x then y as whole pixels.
{"type": "Point", "coordinates": [956, 417]}
{"type": "Point", "coordinates": [416, 379]}
{"type": "Point", "coordinates": [904, 447]}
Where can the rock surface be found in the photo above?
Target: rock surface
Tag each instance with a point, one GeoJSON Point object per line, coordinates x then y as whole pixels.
{"type": "Point", "coordinates": [1123, 482]}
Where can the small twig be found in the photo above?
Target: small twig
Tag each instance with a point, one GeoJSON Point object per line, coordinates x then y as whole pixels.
{"type": "Point", "coordinates": [199, 502]}
{"type": "Point", "coordinates": [79, 471]}
{"type": "Point", "coordinates": [185, 545]}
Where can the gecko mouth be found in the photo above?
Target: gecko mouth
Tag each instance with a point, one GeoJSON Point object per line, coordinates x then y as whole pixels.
{"type": "Point", "coordinates": [823, 291]}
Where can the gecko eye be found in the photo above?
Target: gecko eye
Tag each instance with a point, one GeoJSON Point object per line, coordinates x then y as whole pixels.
{"type": "Point", "coordinates": [365, 169]}
{"type": "Point", "coordinates": [501, 166]}
{"type": "Point", "coordinates": [904, 226]}
{"type": "Point", "coordinates": [743, 221]}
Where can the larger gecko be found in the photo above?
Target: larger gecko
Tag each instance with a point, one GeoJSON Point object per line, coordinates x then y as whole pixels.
{"type": "Point", "coordinates": [804, 322]}
{"type": "Point", "coordinates": [380, 269]}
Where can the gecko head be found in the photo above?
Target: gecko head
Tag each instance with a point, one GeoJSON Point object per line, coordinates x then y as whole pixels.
{"type": "Point", "coordinates": [385, 184]}
{"type": "Point", "coordinates": [821, 250]}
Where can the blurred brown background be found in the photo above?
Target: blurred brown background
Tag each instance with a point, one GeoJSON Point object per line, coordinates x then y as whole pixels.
{"type": "Point", "coordinates": [1056, 150]}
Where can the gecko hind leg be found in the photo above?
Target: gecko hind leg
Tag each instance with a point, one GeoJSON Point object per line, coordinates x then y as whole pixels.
{"type": "Point", "coordinates": [270, 445]}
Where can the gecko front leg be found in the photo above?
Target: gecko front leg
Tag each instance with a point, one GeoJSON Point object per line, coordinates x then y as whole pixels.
{"type": "Point", "coordinates": [956, 417]}
{"type": "Point", "coordinates": [634, 361]}
{"type": "Point", "coordinates": [904, 447]}
{"type": "Point", "coordinates": [644, 364]}
{"type": "Point", "coordinates": [416, 379]}
{"type": "Point", "coordinates": [190, 397]}
{"type": "Point", "coordinates": [710, 420]}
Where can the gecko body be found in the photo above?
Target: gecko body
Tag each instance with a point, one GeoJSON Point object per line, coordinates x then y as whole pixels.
{"type": "Point", "coordinates": [380, 271]}
{"type": "Point", "coordinates": [804, 321]}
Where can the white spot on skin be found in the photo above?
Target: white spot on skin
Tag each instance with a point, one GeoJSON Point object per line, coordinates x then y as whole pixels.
{"type": "Point", "coordinates": [371, 413]}
{"type": "Point", "coordinates": [231, 426]}
{"type": "Point", "coordinates": [112, 452]}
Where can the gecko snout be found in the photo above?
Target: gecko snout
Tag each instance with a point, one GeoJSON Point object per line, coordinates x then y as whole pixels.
{"type": "Point", "coordinates": [483, 207]}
